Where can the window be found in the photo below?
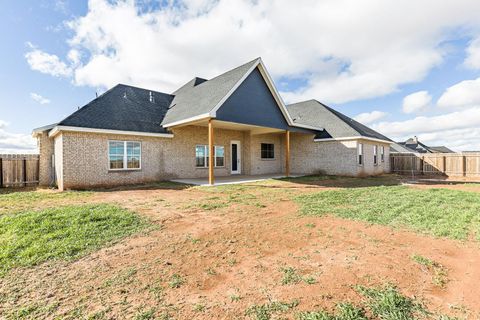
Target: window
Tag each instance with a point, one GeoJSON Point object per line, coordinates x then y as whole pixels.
{"type": "Point", "coordinates": [382, 153]}
{"type": "Point", "coordinates": [267, 151]}
{"type": "Point", "coordinates": [124, 155]}
{"type": "Point", "coordinates": [375, 155]}
{"type": "Point", "coordinates": [202, 156]}
{"type": "Point", "coordinates": [219, 156]}
{"type": "Point", "coordinates": [360, 154]}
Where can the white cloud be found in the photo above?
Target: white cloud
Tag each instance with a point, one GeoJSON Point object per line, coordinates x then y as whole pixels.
{"type": "Point", "coordinates": [369, 117]}
{"type": "Point", "coordinates": [473, 54]}
{"type": "Point", "coordinates": [47, 63]}
{"type": "Point", "coordinates": [458, 130]}
{"type": "Point", "coordinates": [416, 102]}
{"type": "Point", "coordinates": [461, 95]}
{"type": "Point", "coordinates": [15, 142]}
{"type": "Point", "coordinates": [336, 45]}
{"type": "Point", "coordinates": [38, 98]}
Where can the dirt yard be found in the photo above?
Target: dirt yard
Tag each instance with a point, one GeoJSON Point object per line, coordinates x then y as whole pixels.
{"type": "Point", "coordinates": [217, 251]}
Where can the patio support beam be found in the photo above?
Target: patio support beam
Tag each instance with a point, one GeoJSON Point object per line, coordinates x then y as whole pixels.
{"type": "Point", "coordinates": [287, 153]}
{"type": "Point", "coordinates": [211, 154]}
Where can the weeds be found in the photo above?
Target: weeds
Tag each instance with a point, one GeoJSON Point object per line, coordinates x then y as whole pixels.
{"type": "Point", "coordinates": [440, 275]}
{"type": "Point", "coordinates": [176, 281]}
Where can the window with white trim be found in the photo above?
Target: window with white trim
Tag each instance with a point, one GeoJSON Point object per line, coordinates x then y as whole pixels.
{"type": "Point", "coordinates": [124, 155]}
{"type": "Point", "coordinates": [360, 154]}
{"type": "Point", "coordinates": [382, 153]}
{"type": "Point", "coordinates": [202, 156]}
{"type": "Point", "coordinates": [375, 155]}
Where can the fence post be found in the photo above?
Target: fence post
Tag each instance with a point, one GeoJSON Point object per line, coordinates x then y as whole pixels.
{"type": "Point", "coordinates": [444, 164]}
{"type": "Point", "coordinates": [25, 171]}
{"type": "Point", "coordinates": [422, 165]}
{"type": "Point", "coordinates": [464, 165]}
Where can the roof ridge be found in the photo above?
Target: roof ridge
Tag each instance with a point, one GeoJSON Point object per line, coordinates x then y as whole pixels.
{"type": "Point", "coordinates": [135, 87]}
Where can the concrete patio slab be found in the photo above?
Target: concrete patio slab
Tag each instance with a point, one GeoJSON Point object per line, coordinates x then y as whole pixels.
{"type": "Point", "coordinates": [233, 179]}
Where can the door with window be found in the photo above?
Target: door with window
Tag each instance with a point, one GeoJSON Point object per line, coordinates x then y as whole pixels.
{"type": "Point", "coordinates": [235, 156]}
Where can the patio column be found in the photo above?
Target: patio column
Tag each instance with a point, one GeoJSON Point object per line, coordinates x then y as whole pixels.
{"type": "Point", "coordinates": [287, 153]}
{"type": "Point", "coordinates": [211, 153]}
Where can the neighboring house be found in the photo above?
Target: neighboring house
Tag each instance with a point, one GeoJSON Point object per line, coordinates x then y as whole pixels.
{"type": "Point", "coordinates": [132, 135]}
{"type": "Point", "coordinates": [414, 145]}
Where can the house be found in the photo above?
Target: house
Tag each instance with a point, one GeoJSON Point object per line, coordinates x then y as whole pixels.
{"type": "Point", "coordinates": [413, 145]}
{"type": "Point", "coordinates": [131, 135]}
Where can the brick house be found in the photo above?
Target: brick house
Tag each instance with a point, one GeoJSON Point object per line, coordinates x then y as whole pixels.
{"type": "Point", "coordinates": [131, 135]}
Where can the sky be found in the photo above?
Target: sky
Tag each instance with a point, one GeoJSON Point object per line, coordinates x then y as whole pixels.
{"type": "Point", "coordinates": [403, 68]}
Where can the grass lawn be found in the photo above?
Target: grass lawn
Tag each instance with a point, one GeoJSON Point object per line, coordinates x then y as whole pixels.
{"type": "Point", "coordinates": [12, 202]}
{"type": "Point", "coordinates": [31, 237]}
{"type": "Point", "coordinates": [440, 212]}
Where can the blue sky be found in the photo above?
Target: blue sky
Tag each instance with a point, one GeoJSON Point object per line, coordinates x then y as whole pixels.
{"type": "Point", "coordinates": [410, 68]}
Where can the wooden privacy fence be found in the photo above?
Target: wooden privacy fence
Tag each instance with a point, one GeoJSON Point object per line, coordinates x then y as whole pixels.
{"type": "Point", "coordinates": [19, 170]}
{"type": "Point", "coordinates": [446, 164]}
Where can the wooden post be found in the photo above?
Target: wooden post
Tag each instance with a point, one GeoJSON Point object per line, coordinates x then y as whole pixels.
{"type": "Point", "coordinates": [211, 155]}
{"type": "Point", "coordinates": [444, 164]}
{"type": "Point", "coordinates": [464, 165]}
{"type": "Point", "coordinates": [25, 171]}
{"type": "Point", "coordinates": [422, 164]}
{"type": "Point", "coordinates": [287, 153]}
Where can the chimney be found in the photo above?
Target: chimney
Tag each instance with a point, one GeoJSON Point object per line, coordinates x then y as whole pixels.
{"type": "Point", "coordinates": [415, 139]}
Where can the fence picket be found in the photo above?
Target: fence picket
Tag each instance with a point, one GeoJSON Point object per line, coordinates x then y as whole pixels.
{"type": "Point", "coordinates": [19, 170]}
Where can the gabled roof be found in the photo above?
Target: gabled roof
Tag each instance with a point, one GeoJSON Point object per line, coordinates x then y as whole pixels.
{"type": "Point", "coordinates": [399, 148]}
{"type": "Point", "coordinates": [336, 125]}
{"type": "Point", "coordinates": [123, 108]}
{"type": "Point", "coordinates": [197, 100]}
{"type": "Point", "coordinates": [441, 149]}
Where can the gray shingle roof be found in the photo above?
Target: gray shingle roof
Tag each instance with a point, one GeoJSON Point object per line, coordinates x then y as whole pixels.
{"type": "Point", "coordinates": [396, 147]}
{"type": "Point", "coordinates": [441, 149]}
{"type": "Point", "coordinates": [124, 108]}
{"type": "Point", "coordinates": [194, 100]}
{"type": "Point", "coordinates": [336, 124]}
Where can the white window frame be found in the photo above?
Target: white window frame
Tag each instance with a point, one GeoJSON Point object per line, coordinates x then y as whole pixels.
{"type": "Point", "coordinates": [360, 156]}
{"type": "Point", "coordinates": [125, 157]}
{"type": "Point", "coordinates": [382, 153]}
{"type": "Point", "coordinates": [375, 155]}
{"type": "Point", "coordinates": [267, 159]}
{"type": "Point", "coordinates": [206, 155]}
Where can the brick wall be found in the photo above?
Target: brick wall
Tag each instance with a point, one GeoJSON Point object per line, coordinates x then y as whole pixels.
{"type": "Point", "coordinates": [81, 159]}
{"type": "Point", "coordinates": [46, 149]}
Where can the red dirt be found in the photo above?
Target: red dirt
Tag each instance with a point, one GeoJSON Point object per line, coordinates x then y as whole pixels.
{"type": "Point", "coordinates": [240, 250]}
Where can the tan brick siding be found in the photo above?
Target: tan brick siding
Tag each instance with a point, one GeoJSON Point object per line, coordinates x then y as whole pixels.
{"type": "Point", "coordinates": [46, 149]}
{"type": "Point", "coordinates": [263, 166]}
{"type": "Point", "coordinates": [329, 157]}
{"type": "Point", "coordinates": [82, 158]}
{"type": "Point", "coordinates": [59, 164]}
{"type": "Point", "coordinates": [335, 157]}
{"type": "Point", "coordinates": [368, 168]}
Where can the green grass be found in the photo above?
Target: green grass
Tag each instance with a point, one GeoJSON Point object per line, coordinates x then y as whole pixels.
{"type": "Point", "coordinates": [389, 304]}
{"type": "Point", "coordinates": [269, 310]}
{"type": "Point", "coordinates": [345, 311]}
{"type": "Point", "coordinates": [12, 202]}
{"type": "Point", "coordinates": [440, 212]}
{"type": "Point", "coordinates": [66, 233]}
{"type": "Point", "coordinates": [384, 303]}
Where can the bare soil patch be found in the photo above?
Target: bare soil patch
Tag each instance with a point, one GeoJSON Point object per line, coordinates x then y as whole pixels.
{"type": "Point", "coordinates": [218, 251]}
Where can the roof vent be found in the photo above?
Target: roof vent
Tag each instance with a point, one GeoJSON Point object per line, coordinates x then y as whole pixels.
{"type": "Point", "coordinates": [152, 98]}
{"type": "Point", "coordinates": [125, 95]}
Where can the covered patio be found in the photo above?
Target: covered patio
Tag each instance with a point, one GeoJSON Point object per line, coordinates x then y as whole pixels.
{"type": "Point", "coordinates": [233, 179]}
